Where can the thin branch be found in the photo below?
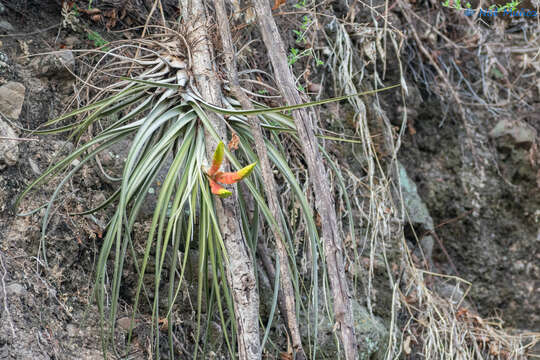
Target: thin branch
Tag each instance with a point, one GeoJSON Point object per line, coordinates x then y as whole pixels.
{"type": "Point", "coordinates": [16, 139]}
{"type": "Point", "coordinates": [240, 268]}
{"type": "Point", "coordinates": [333, 245]}
{"type": "Point", "coordinates": [287, 299]}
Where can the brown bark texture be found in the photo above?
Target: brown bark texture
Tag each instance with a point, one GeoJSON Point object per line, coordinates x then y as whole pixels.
{"type": "Point", "coordinates": [287, 291]}
{"type": "Point", "coordinates": [324, 204]}
{"type": "Point", "coordinates": [240, 268]}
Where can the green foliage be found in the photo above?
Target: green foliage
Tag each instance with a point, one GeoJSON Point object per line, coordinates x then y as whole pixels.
{"type": "Point", "coordinates": [293, 56]}
{"type": "Point", "coordinates": [457, 4]}
{"type": "Point", "coordinates": [497, 73]}
{"type": "Point", "coordinates": [163, 120]}
{"type": "Point", "coordinates": [300, 4]}
{"type": "Point", "coordinates": [510, 6]}
{"type": "Point", "coordinates": [294, 53]}
{"type": "Point", "coordinates": [97, 39]}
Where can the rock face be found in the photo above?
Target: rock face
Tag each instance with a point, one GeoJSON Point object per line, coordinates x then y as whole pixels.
{"type": "Point", "coordinates": [484, 202]}
{"type": "Point", "coordinates": [42, 94]}
{"type": "Point", "coordinates": [11, 99]}
{"type": "Point", "coordinates": [11, 102]}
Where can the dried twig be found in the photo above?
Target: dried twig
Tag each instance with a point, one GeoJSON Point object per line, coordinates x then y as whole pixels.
{"type": "Point", "coordinates": [17, 139]}
{"type": "Point", "coordinates": [6, 308]}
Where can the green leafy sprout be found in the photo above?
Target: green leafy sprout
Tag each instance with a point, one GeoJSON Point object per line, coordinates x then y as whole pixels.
{"type": "Point", "coordinates": [97, 39]}
{"type": "Point", "coordinates": [295, 54]}
{"type": "Point", "coordinates": [457, 4]}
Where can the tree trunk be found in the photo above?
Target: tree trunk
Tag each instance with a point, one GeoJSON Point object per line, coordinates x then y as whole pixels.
{"type": "Point", "coordinates": [323, 198]}
{"type": "Point", "coordinates": [287, 301]}
{"type": "Point", "coordinates": [240, 271]}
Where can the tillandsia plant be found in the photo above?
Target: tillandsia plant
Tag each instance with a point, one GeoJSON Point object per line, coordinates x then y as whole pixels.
{"type": "Point", "coordinates": [159, 110]}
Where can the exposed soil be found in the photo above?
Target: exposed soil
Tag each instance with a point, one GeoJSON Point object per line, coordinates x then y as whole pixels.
{"type": "Point", "coordinates": [47, 312]}
{"type": "Point", "coordinates": [484, 200]}
{"type": "Point", "coordinates": [486, 215]}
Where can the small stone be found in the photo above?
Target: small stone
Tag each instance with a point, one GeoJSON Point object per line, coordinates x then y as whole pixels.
{"type": "Point", "coordinates": [72, 330]}
{"type": "Point", "coordinates": [106, 158]}
{"type": "Point", "coordinates": [6, 26]}
{"type": "Point", "coordinates": [59, 65]}
{"type": "Point", "coordinates": [15, 289]}
{"type": "Point", "coordinates": [518, 132]}
{"type": "Point", "coordinates": [124, 323]}
{"type": "Point", "coordinates": [11, 99]}
{"type": "Point", "coordinates": [518, 266]}
{"type": "Point", "coordinates": [314, 88]}
{"type": "Point", "coordinates": [452, 293]}
{"type": "Point", "coordinates": [71, 41]}
{"type": "Point", "coordinates": [98, 198]}
{"type": "Point", "coordinates": [34, 166]}
{"type": "Point", "coordinates": [9, 149]}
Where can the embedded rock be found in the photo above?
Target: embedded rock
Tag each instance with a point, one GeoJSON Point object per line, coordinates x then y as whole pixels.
{"type": "Point", "coordinates": [369, 329]}
{"type": "Point", "coordinates": [9, 147]}
{"type": "Point", "coordinates": [58, 65]}
{"type": "Point", "coordinates": [15, 289]}
{"type": "Point", "coordinates": [11, 99]}
{"type": "Point", "coordinates": [417, 213]}
{"type": "Point", "coordinates": [5, 26]}
{"type": "Point", "coordinates": [516, 132]}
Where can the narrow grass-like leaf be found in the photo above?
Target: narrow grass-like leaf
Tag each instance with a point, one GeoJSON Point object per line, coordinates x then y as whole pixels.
{"type": "Point", "coordinates": [281, 108]}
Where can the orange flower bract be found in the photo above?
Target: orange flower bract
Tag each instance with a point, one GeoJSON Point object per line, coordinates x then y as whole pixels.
{"type": "Point", "coordinates": [216, 177]}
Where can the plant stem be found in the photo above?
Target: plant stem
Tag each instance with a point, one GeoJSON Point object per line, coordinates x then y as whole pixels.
{"type": "Point", "coordinates": [323, 199]}
{"type": "Point", "coordinates": [240, 271]}
{"type": "Point", "coordinates": [287, 291]}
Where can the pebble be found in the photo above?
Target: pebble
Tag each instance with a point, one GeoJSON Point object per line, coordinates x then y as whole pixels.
{"type": "Point", "coordinates": [6, 26]}
{"type": "Point", "coordinates": [9, 149]}
{"type": "Point", "coordinates": [58, 65]}
{"type": "Point", "coordinates": [124, 323]}
{"type": "Point", "coordinates": [517, 131]}
{"type": "Point", "coordinates": [72, 330]}
{"type": "Point", "coordinates": [15, 289]}
{"type": "Point", "coordinates": [12, 99]}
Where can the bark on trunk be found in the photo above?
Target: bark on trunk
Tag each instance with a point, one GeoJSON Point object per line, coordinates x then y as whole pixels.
{"type": "Point", "coordinates": [240, 271]}
{"type": "Point", "coordinates": [287, 300]}
{"type": "Point", "coordinates": [323, 199]}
